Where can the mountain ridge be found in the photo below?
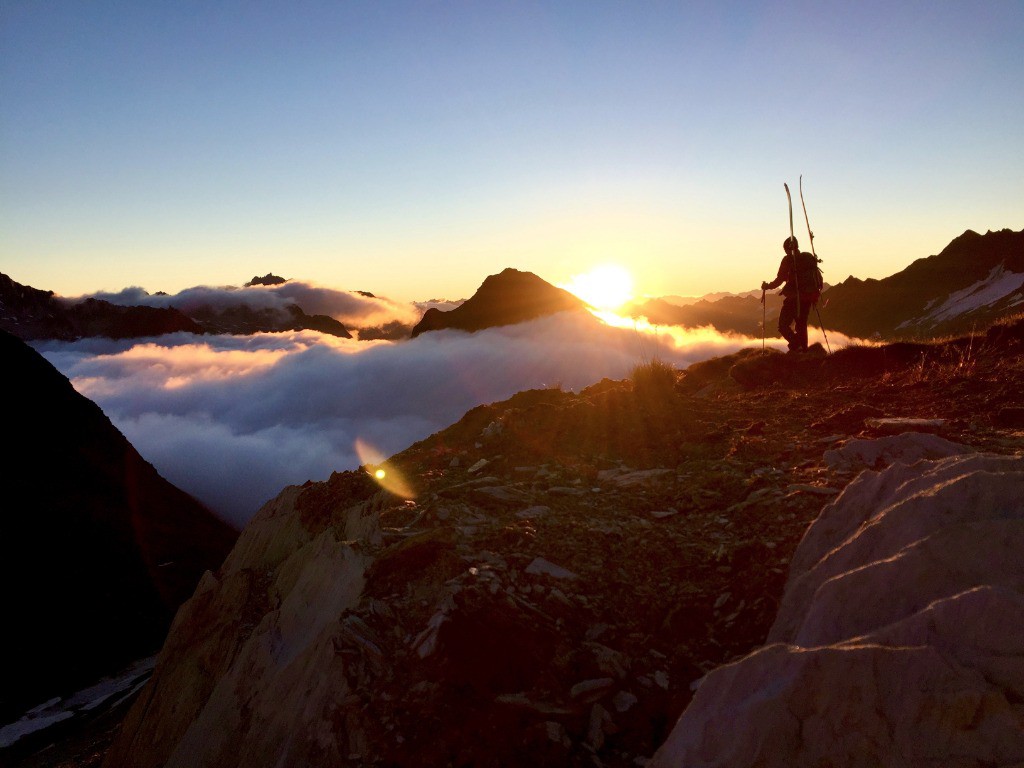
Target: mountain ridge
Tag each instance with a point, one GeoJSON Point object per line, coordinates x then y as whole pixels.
{"type": "Point", "coordinates": [32, 314]}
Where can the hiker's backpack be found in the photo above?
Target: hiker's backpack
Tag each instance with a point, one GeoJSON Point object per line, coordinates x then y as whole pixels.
{"type": "Point", "coordinates": [808, 275]}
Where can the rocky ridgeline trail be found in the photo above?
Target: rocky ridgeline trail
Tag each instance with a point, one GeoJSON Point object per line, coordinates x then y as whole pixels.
{"type": "Point", "coordinates": [569, 566]}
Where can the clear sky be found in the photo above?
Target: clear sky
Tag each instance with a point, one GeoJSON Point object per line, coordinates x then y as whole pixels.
{"type": "Point", "coordinates": [412, 148]}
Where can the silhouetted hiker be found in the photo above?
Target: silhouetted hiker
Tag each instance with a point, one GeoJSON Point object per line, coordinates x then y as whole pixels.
{"type": "Point", "coordinates": [799, 271]}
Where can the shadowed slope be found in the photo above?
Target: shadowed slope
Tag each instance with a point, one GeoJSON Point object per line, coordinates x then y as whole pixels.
{"type": "Point", "coordinates": [29, 314]}
{"type": "Point", "coordinates": [96, 549]}
{"type": "Point", "coordinates": [922, 300]}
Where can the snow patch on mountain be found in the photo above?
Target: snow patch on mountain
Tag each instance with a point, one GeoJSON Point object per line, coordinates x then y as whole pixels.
{"type": "Point", "coordinates": [996, 286]}
{"type": "Point", "coordinates": [80, 704]}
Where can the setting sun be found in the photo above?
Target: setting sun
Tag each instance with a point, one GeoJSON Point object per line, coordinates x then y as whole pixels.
{"type": "Point", "coordinates": [608, 286]}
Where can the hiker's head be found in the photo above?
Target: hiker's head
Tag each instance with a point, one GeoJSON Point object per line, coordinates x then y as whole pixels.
{"type": "Point", "coordinates": [790, 245]}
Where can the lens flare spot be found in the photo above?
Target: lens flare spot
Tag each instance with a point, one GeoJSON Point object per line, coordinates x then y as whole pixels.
{"type": "Point", "coordinates": [387, 475]}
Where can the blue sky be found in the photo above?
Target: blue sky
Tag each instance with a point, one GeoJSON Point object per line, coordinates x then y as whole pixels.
{"type": "Point", "coordinates": [411, 149]}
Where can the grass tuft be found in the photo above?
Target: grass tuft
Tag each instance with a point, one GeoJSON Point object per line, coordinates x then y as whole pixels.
{"type": "Point", "coordinates": [654, 382]}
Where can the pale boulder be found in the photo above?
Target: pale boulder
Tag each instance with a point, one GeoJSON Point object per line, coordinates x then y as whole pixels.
{"type": "Point", "coordinates": [900, 640]}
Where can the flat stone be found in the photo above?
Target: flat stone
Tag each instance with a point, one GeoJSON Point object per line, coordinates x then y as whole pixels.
{"type": "Point", "coordinates": [642, 477]}
{"type": "Point", "coordinates": [588, 687]}
{"type": "Point", "coordinates": [541, 567]}
{"type": "Point", "coordinates": [564, 490]}
{"type": "Point", "coordinates": [661, 514]}
{"type": "Point", "coordinates": [499, 492]}
{"type": "Point", "coordinates": [623, 701]}
{"type": "Point", "coordinates": [538, 510]}
{"type": "Point", "coordinates": [893, 426]}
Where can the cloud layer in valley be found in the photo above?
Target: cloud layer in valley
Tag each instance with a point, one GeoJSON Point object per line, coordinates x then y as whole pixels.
{"type": "Point", "coordinates": [233, 419]}
{"type": "Point", "coordinates": [351, 308]}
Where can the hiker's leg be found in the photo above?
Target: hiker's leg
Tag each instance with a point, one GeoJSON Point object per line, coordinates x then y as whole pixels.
{"type": "Point", "coordinates": [801, 323]}
{"type": "Point", "coordinates": [786, 318]}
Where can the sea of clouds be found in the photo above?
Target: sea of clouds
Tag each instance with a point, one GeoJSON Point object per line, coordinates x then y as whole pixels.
{"type": "Point", "coordinates": [352, 308]}
{"type": "Point", "coordinates": [234, 419]}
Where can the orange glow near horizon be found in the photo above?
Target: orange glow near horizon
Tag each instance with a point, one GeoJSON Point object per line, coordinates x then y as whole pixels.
{"type": "Point", "coordinates": [605, 287]}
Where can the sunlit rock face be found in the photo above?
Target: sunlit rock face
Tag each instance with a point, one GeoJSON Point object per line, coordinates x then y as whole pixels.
{"type": "Point", "coordinates": [503, 299]}
{"type": "Point", "coordinates": [255, 650]}
{"type": "Point", "coordinates": [900, 638]}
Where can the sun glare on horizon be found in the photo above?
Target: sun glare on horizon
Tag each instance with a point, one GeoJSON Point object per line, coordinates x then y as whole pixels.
{"type": "Point", "coordinates": [606, 287]}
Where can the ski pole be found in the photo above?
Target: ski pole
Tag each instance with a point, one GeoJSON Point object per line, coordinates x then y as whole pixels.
{"type": "Point", "coordinates": [822, 326]}
{"type": "Point", "coordinates": [764, 320]}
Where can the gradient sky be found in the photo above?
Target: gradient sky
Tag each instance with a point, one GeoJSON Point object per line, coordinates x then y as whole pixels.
{"type": "Point", "coordinates": [412, 148]}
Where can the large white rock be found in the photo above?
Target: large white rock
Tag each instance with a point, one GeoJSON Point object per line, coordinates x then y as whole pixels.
{"type": "Point", "coordinates": [881, 516]}
{"type": "Point", "coordinates": [900, 639]}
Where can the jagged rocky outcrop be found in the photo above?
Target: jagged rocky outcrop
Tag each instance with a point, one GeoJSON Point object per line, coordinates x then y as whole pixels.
{"type": "Point", "coordinates": [899, 638]}
{"type": "Point", "coordinates": [552, 574]}
{"type": "Point", "coordinates": [97, 550]}
{"type": "Point", "coordinates": [268, 279]}
{"type": "Point", "coordinates": [32, 314]}
{"type": "Point", "coordinates": [973, 282]}
{"type": "Point", "coordinates": [503, 299]}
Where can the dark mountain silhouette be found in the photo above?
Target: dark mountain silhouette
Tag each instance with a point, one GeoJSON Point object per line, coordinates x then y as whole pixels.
{"type": "Point", "coordinates": [391, 331]}
{"type": "Point", "coordinates": [268, 279]}
{"type": "Point", "coordinates": [572, 563]}
{"type": "Point", "coordinates": [729, 314]}
{"type": "Point", "coordinates": [503, 299]}
{"type": "Point", "coordinates": [975, 281]}
{"type": "Point", "coordinates": [30, 314]}
{"type": "Point", "coordinates": [97, 550]}
{"type": "Point", "coordinates": [244, 320]}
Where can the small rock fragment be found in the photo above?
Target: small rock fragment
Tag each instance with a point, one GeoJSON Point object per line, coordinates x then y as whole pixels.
{"type": "Point", "coordinates": [541, 567]}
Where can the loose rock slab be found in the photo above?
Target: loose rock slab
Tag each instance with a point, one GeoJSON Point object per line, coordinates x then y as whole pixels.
{"type": "Point", "coordinates": [900, 640]}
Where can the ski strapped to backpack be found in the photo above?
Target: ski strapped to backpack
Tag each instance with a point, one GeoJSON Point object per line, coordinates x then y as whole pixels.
{"type": "Point", "coordinates": [817, 261]}
{"type": "Point", "coordinates": [796, 277]}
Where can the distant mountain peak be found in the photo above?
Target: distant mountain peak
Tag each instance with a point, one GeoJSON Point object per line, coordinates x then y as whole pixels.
{"type": "Point", "coordinates": [512, 296]}
{"type": "Point", "coordinates": [268, 279]}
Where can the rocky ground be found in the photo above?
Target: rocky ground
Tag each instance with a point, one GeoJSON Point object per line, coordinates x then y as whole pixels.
{"type": "Point", "coordinates": [593, 555]}
{"type": "Point", "coordinates": [566, 565]}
